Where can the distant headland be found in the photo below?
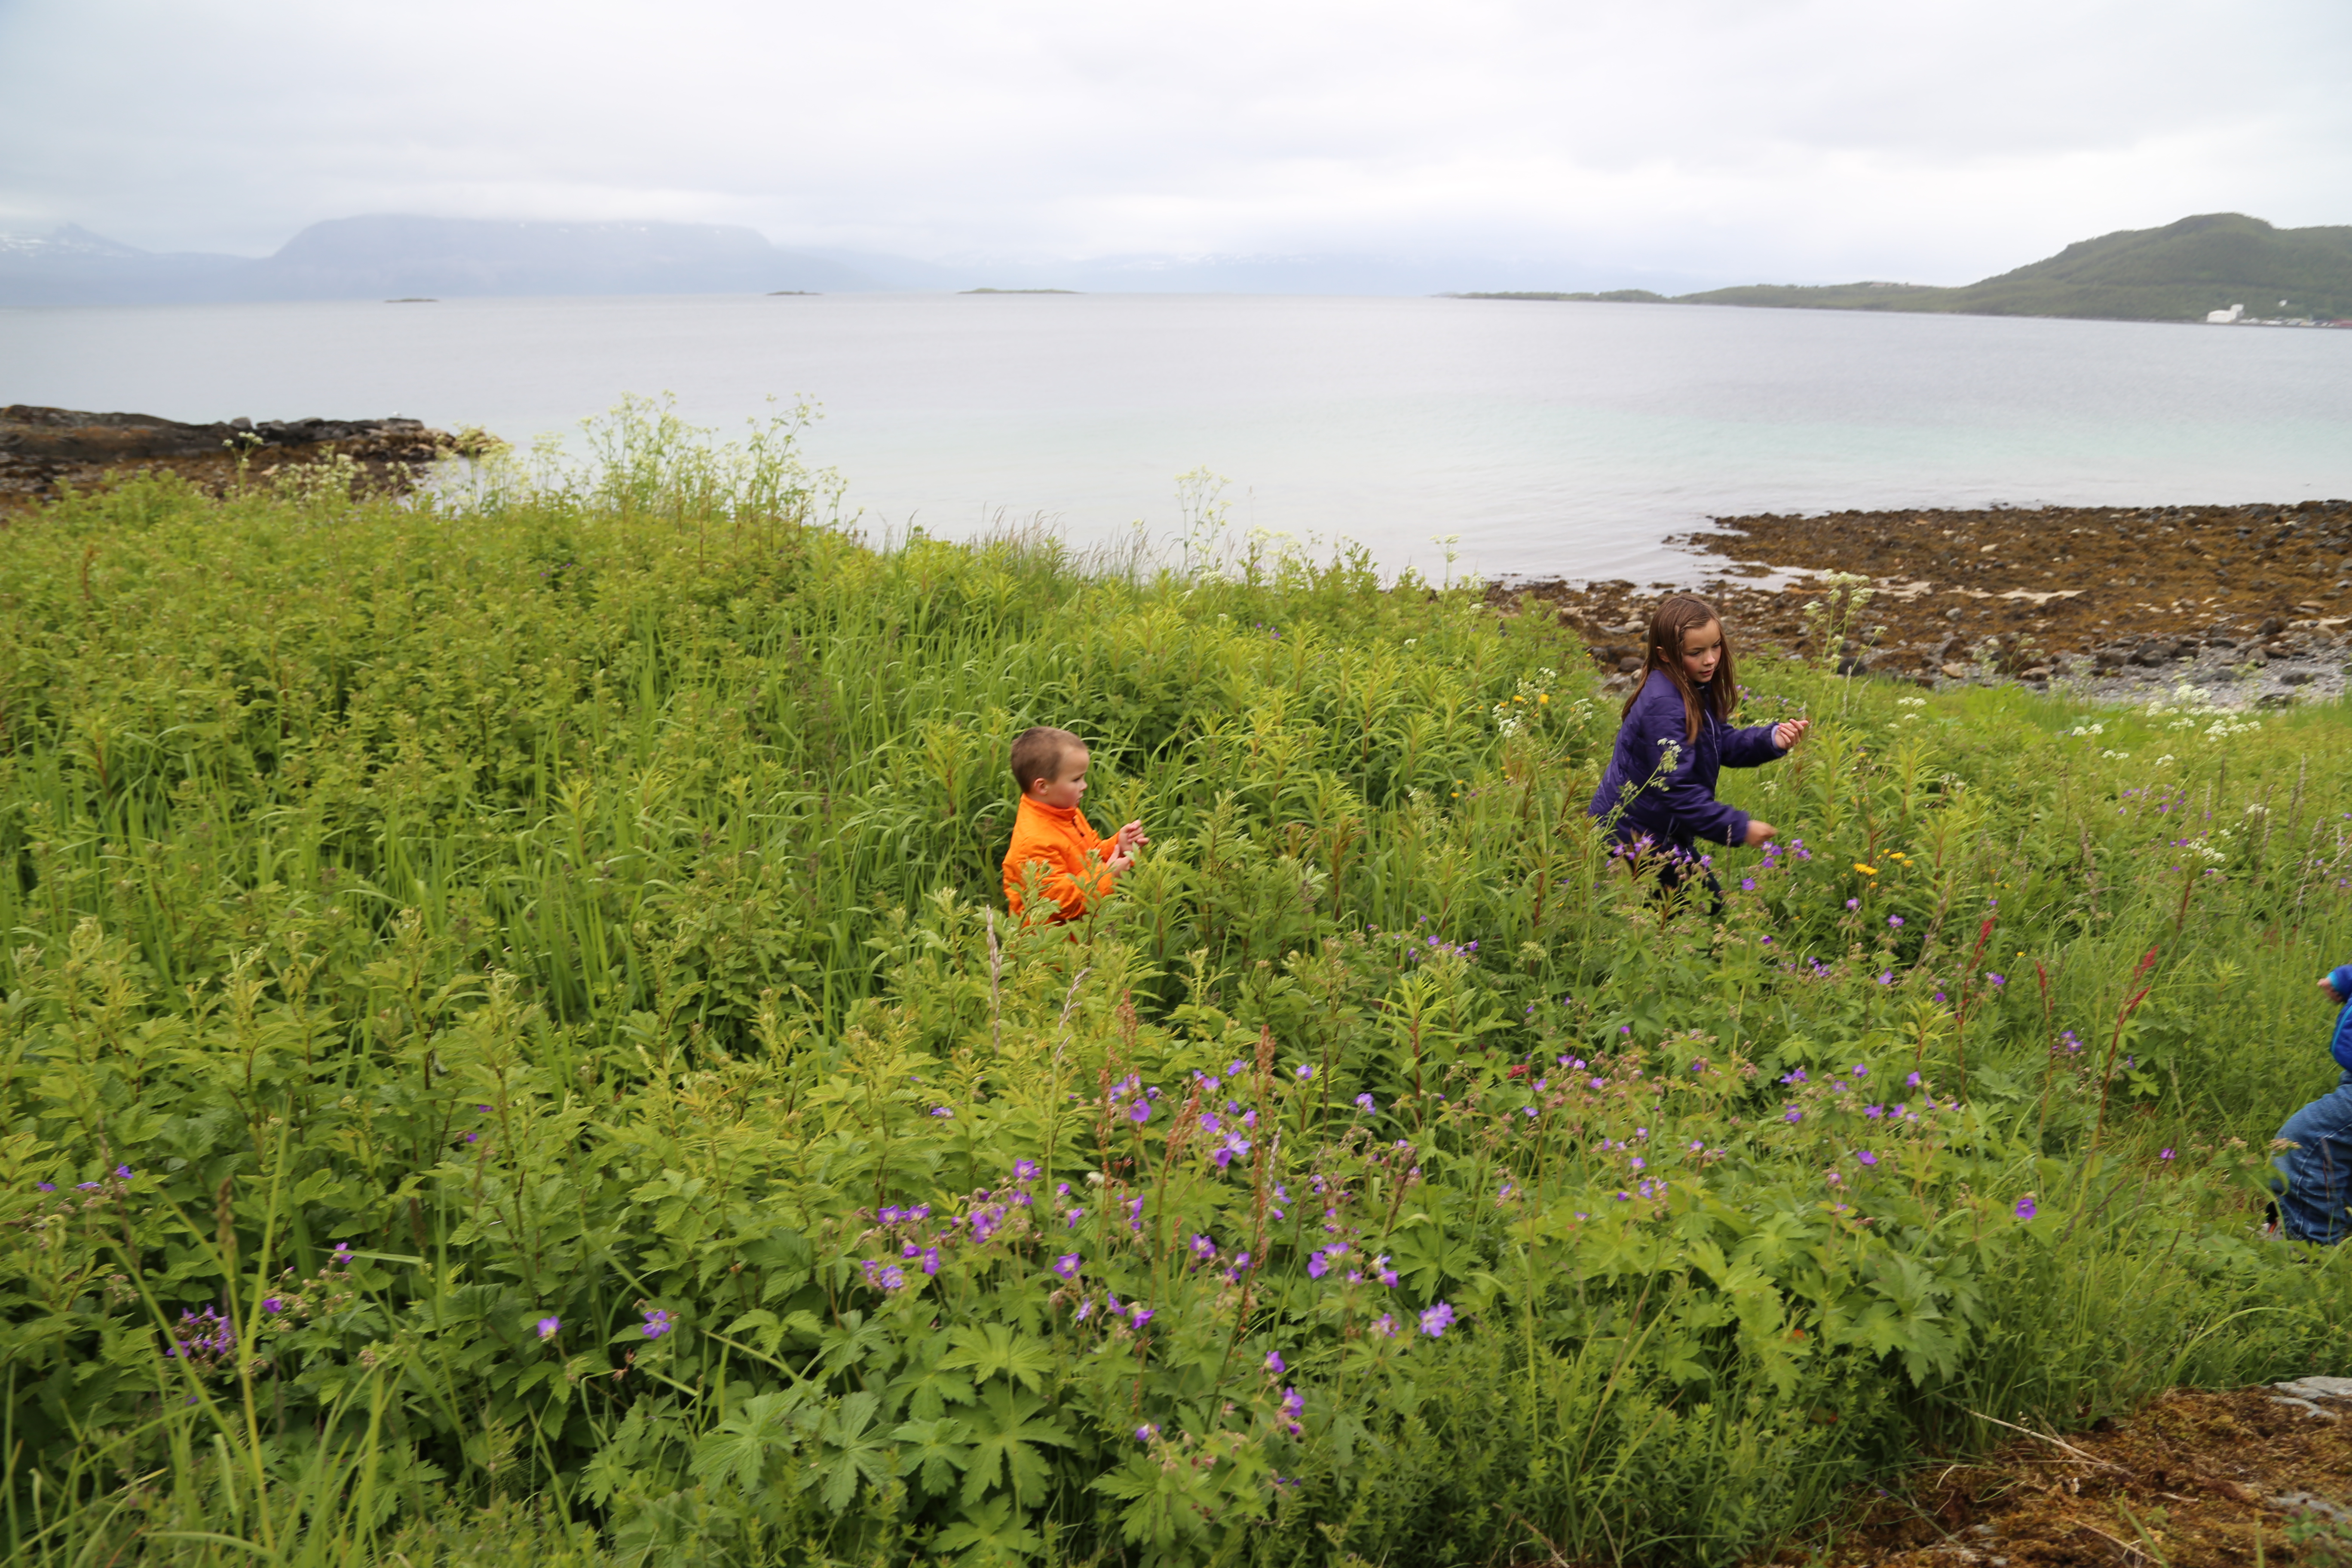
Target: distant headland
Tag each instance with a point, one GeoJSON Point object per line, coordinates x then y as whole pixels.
{"type": "Point", "coordinates": [2223, 268]}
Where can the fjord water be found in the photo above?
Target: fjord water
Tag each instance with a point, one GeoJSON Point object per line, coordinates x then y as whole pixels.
{"type": "Point", "coordinates": [1551, 437]}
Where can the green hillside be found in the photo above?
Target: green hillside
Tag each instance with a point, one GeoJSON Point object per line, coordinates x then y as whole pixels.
{"type": "Point", "coordinates": [2175, 273]}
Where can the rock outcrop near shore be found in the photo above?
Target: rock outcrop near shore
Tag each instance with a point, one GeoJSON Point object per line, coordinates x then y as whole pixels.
{"type": "Point", "coordinates": [2253, 602]}
{"type": "Point", "coordinates": [43, 450]}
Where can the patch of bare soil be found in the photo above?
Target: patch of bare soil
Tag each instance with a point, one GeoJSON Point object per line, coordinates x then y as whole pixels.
{"type": "Point", "coordinates": [45, 450]}
{"type": "Point", "coordinates": [2249, 602]}
{"type": "Point", "coordinates": [2193, 1481]}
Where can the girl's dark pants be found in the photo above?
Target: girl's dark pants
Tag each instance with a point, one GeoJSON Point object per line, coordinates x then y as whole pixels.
{"type": "Point", "coordinates": [1674, 875]}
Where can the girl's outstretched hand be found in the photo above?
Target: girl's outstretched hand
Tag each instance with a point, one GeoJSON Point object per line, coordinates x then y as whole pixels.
{"type": "Point", "coordinates": [1759, 830]}
{"type": "Point", "coordinates": [2328, 984]}
{"type": "Point", "coordinates": [1789, 731]}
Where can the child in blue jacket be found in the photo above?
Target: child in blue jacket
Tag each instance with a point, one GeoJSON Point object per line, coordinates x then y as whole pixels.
{"type": "Point", "coordinates": [1677, 734]}
{"type": "Point", "coordinates": [2314, 1181]}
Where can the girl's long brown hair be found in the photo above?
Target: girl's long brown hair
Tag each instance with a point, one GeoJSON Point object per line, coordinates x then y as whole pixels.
{"type": "Point", "coordinates": [1677, 614]}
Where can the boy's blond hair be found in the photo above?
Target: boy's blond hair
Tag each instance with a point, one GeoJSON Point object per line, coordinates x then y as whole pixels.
{"type": "Point", "coordinates": [1037, 754]}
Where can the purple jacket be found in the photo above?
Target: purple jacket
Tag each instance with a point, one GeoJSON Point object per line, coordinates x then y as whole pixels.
{"type": "Point", "coordinates": [1681, 806]}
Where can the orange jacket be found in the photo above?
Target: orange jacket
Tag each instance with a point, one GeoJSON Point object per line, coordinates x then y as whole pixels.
{"type": "Point", "coordinates": [1058, 837]}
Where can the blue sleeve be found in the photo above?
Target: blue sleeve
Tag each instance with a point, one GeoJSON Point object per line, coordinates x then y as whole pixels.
{"type": "Point", "coordinates": [1749, 748]}
{"type": "Point", "coordinates": [2339, 1045]}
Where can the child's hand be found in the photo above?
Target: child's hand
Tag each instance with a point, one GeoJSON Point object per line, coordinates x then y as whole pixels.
{"type": "Point", "coordinates": [2328, 984]}
{"type": "Point", "coordinates": [1788, 733]}
{"type": "Point", "coordinates": [1759, 830]}
{"type": "Point", "coordinates": [1120, 862]}
{"type": "Point", "coordinates": [1129, 836]}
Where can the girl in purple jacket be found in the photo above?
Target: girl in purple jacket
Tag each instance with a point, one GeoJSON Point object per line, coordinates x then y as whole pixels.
{"type": "Point", "coordinates": [1677, 734]}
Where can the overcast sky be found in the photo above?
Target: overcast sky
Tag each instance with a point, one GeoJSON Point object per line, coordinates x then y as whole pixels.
{"type": "Point", "coordinates": [1755, 141]}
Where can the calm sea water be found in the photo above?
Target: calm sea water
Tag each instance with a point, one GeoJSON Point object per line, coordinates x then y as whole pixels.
{"type": "Point", "coordinates": [1564, 438]}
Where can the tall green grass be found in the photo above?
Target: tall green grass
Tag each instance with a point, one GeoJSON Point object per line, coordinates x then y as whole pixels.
{"type": "Point", "coordinates": [573, 903]}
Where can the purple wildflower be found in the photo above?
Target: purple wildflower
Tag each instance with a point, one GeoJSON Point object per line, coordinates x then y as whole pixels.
{"type": "Point", "coordinates": [1437, 1320]}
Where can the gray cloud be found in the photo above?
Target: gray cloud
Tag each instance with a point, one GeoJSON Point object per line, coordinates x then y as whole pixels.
{"type": "Point", "coordinates": [1788, 140]}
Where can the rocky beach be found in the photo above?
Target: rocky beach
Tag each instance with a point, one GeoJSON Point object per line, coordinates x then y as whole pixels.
{"type": "Point", "coordinates": [43, 451]}
{"type": "Point", "coordinates": [2247, 603]}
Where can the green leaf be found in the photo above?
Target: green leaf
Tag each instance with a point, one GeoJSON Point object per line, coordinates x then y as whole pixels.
{"type": "Point", "coordinates": [847, 1449]}
{"type": "Point", "coordinates": [1164, 1502]}
{"type": "Point", "coordinates": [927, 1386]}
{"type": "Point", "coordinates": [857, 1340]}
{"type": "Point", "coordinates": [992, 1533]}
{"type": "Point", "coordinates": [1008, 1431]}
{"type": "Point", "coordinates": [998, 1348]}
{"type": "Point", "coordinates": [937, 1447]}
{"type": "Point", "coordinates": [737, 1453]}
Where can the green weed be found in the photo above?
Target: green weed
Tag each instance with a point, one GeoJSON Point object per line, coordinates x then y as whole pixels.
{"type": "Point", "coordinates": [510, 1049]}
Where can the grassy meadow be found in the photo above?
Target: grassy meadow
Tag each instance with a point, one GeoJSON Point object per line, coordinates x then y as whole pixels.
{"type": "Point", "coordinates": [513, 1051]}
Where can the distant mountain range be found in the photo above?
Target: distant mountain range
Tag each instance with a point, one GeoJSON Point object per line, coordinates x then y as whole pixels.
{"type": "Point", "coordinates": [2177, 273]}
{"type": "Point", "coordinates": [392, 258]}
{"type": "Point", "coordinates": [375, 257]}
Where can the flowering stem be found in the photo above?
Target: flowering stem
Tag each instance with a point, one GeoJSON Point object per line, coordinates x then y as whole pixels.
{"type": "Point", "coordinates": [1257, 1218]}
{"type": "Point", "coordinates": [1960, 1013]}
{"type": "Point", "coordinates": [2050, 1053]}
{"type": "Point", "coordinates": [2107, 1074]}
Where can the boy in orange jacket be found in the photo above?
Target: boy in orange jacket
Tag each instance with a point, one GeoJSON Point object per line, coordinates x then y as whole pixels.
{"type": "Point", "coordinates": [1050, 766]}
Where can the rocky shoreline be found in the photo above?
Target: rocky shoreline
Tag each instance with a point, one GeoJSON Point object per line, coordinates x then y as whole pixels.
{"type": "Point", "coordinates": [43, 451]}
{"type": "Point", "coordinates": [2249, 604]}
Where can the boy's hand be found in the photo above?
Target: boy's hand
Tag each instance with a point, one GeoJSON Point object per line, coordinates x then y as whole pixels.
{"type": "Point", "coordinates": [1788, 733]}
{"type": "Point", "coordinates": [1129, 837]}
{"type": "Point", "coordinates": [2328, 984]}
{"type": "Point", "coordinates": [1759, 830]}
{"type": "Point", "coordinates": [1120, 862]}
